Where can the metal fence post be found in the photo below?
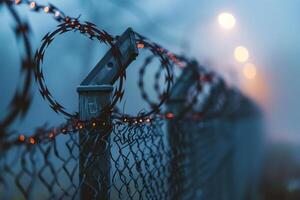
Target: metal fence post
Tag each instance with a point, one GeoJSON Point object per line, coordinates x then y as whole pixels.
{"type": "Point", "coordinates": [95, 175]}
{"type": "Point", "coordinates": [175, 106]}
{"type": "Point", "coordinates": [95, 92]}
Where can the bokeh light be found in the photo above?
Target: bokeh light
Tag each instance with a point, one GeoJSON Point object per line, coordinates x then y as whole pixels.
{"type": "Point", "coordinates": [226, 20]}
{"type": "Point", "coordinates": [249, 71]}
{"type": "Point", "coordinates": [241, 54]}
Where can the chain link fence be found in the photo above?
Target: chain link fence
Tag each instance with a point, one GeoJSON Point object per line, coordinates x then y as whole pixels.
{"type": "Point", "coordinates": [178, 159]}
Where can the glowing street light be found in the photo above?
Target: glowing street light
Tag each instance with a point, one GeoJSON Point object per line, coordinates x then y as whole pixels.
{"type": "Point", "coordinates": [241, 54]}
{"type": "Point", "coordinates": [226, 20]}
{"type": "Point", "coordinates": [249, 71]}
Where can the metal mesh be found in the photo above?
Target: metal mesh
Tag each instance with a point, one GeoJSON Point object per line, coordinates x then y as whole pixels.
{"type": "Point", "coordinates": [159, 160]}
{"type": "Point", "coordinates": [136, 166]}
{"type": "Point", "coordinates": [202, 154]}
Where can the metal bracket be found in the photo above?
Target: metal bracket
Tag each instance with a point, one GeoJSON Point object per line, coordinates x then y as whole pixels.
{"type": "Point", "coordinates": [106, 71]}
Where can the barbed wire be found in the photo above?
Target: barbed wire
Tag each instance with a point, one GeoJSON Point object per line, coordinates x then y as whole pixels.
{"type": "Point", "coordinates": [89, 29]}
{"type": "Point", "coordinates": [49, 9]}
{"type": "Point", "coordinates": [20, 102]}
{"type": "Point", "coordinates": [215, 104]}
